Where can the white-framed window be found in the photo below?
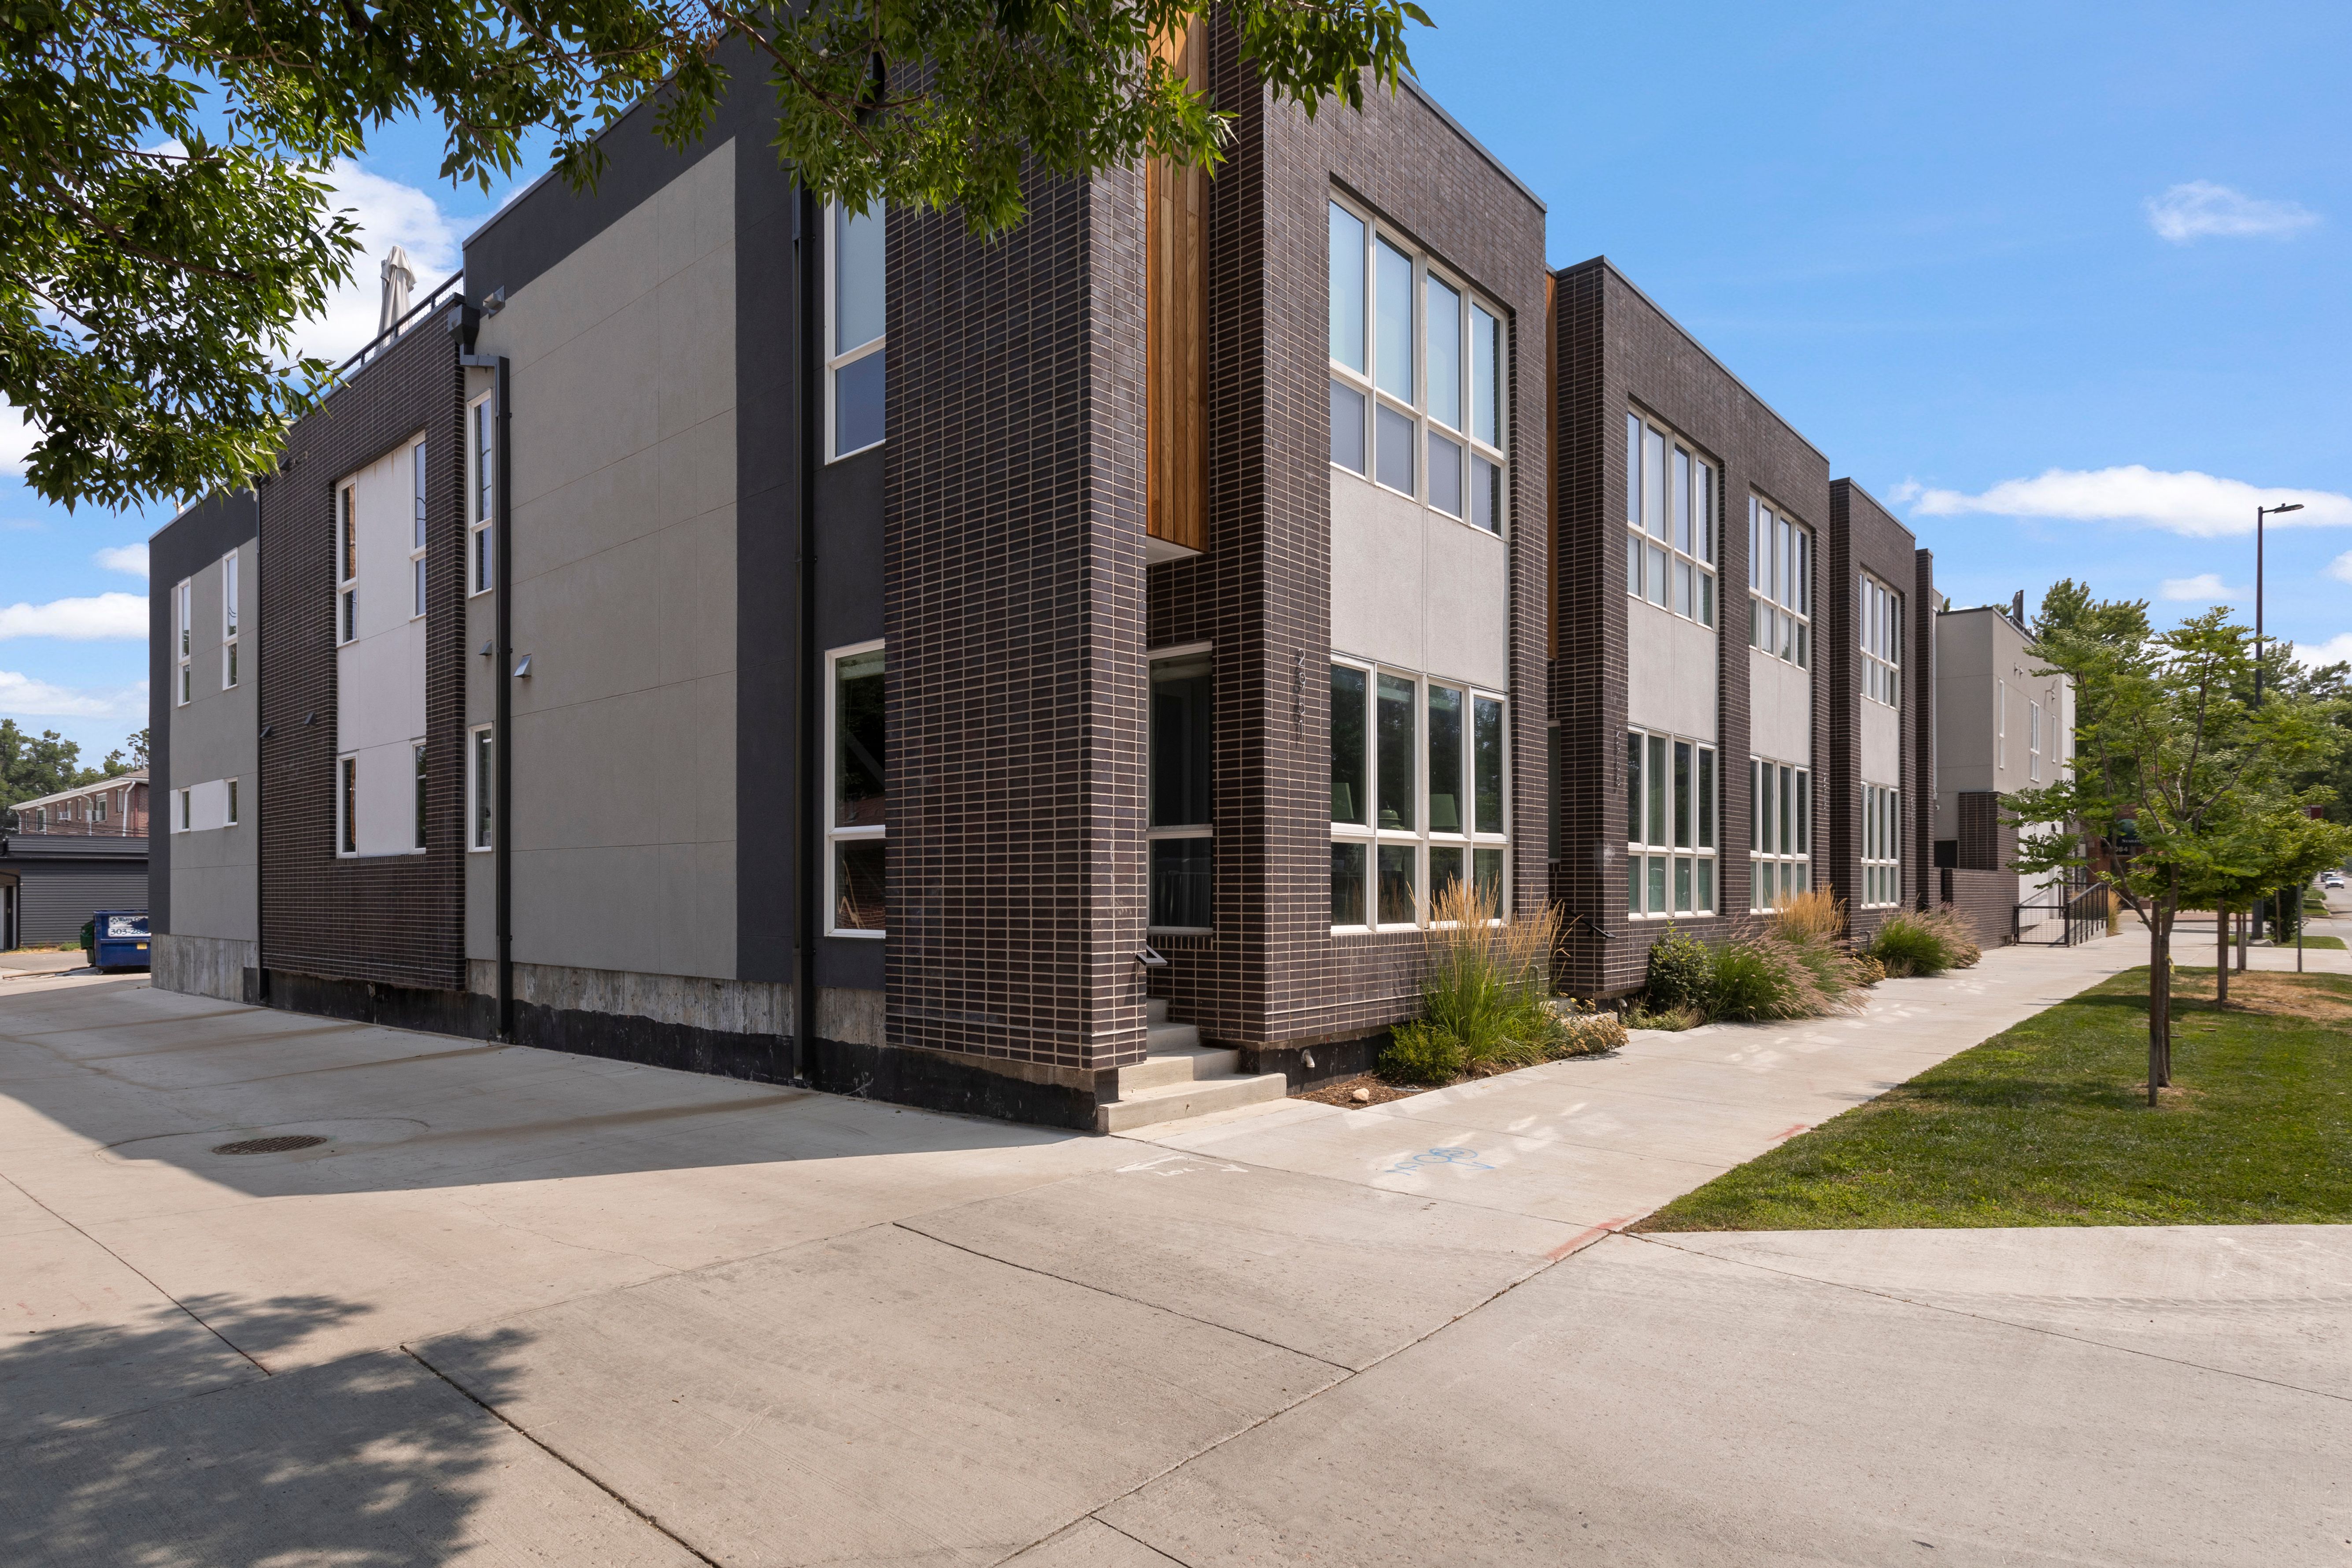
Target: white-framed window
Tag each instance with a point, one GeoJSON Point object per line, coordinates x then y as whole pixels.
{"type": "Point", "coordinates": [347, 806]}
{"type": "Point", "coordinates": [1670, 794]}
{"type": "Point", "coordinates": [857, 311]}
{"type": "Point", "coordinates": [347, 563]}
{"type": "Point", "coordinates": [2034, 742]}
{"type": "Point", "coordinates": [1779, 831]}
{"type": "Point", "coordinates": [98, 807]}
{"type": "Point", "coordinates": [2000, 724]}
{"type": "Point", "coordinates": [187, 814]}
{"type": "Point", "coordinates": [416, 533]}
{"type": "Point", "coordinates": [229, 609]}
{"type": "Point", "coordinates": [231, 804]}
{"type": "Point", "coordinates": [1420, 787]}
{"type": "Point", "coordinates": [1420, 394]}
{"type": "Point", "coordinates": [422, 797]}
{"type": "Point", "coordinates": [184, 601]}
{"type": "Point", "coordinates": [1882, 845]}
{"type": "Point", "coordinates": [1879, 617]}
{"type": "Point", "coordinates": [1670, 521]}
{"type": "Point", "coordinates": [1780, 582]}
{"type": "Point", "coordinates": [481, 492]}
{"type": "Point", "coordinates": [857, 823]}
{"type": "Point", "coordinates": [481, 798]}
{"type": "Point", "coordinates": [1180, 838]}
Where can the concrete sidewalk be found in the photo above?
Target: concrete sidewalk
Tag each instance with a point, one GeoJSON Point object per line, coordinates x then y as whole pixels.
{"type": "Point", "coordinates": [523, 1307]}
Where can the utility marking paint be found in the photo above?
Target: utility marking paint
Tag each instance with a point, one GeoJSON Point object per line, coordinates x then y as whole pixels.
{"type": "Point", "coordinates": [1585, 1238]}
{"type": "Point", "coordinates": [1413, 1164]}
{"type": "Point", "coordinates": [1791, 1133]}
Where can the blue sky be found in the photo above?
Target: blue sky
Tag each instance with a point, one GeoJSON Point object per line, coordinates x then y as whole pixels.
{"type": "Point", "coordinates": [2063, 285]}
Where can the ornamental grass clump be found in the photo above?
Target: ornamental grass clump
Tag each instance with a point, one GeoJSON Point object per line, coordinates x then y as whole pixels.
{"type": "Point", "coordinates": [1920, 943]}
{"type": "Point", "coordinates": [1766, 977]}
{"type": "Point", "coordinates": [1486, 996]}
{"type": "Point", "coordinates": [1813, 925]}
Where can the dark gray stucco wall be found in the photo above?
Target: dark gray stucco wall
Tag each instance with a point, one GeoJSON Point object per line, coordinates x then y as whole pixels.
{"type": "Point", "coordinates": [204, 532]}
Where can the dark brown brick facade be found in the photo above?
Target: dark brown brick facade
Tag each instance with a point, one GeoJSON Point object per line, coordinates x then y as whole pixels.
{"type": "Point", "coordinates": [1273, 973]}
{"type": "Point", "coordinates": [1013, 607]}
{"type": "Point", "coordinates": [394, 920]}
{"type": "Point", "coordinates": [1986, 900]}
{"type": "Point", "coordinates": [1864, 536]}
{"type": "Point", "coordinates": [1616, 352]}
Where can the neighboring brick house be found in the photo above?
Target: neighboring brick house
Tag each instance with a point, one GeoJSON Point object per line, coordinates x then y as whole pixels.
{"type": "Point", "coordinates": [69, 854]}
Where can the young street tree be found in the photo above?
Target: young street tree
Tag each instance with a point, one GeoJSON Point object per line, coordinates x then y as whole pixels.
{"type": "Point", "coordinates": [2182, 789]}
{"type": "Point", "coordinates": [165, 228]}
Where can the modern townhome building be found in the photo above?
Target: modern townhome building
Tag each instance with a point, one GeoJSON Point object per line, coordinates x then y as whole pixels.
{"type": "Point", "coordinates": [203, 679]}
{"type": "Point", "coordinates": [65, 856]}
{"type": "Point", "coordinates": [1051, 676]}
{"type": "Point", "coordinates": [1732, 719]}
{"type": "Point", "coordinates": [2002, 725]}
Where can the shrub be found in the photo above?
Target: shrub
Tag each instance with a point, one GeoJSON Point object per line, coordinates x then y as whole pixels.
{"type": "Point", "coordinates": [1672, 1019]}
{"type": "Point", "coordinates": [1813, 924]}
{"type": "Point", "coordinates": [1766, 977]}
{"type": "Point", "coordinates": [1681, 975]}
{"type": "Point", "coordinates": [1586, 1033]}
{"type": "Point", "coordinates": [1873, 972]}
{"type": "Point", "coordinates": [1417, 1053]}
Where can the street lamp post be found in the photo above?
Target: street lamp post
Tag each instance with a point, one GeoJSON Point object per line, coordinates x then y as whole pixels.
{"type": "Point", "coordinates": [2260, 512]}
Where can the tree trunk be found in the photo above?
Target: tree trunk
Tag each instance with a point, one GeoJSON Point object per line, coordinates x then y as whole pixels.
{"type": "Point", "coordinates": [2159, 1002]}
{"type": "Point", "coordinates": [2221, 961]}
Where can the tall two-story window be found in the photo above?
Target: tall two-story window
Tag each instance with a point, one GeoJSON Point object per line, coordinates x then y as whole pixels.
{"type": "Point", "coordinates": [229, 609]}
{"type": "Point", "coordinates": [1780, 831]}
{"type": "Point", "coordinates": [481, 794]}
{"type": "Point", "coordinates": [1418, 396]}
{"type": "Point", "coordinates": [1882, 844]}
{"type": "Point", "coordinates": [2000, 724]}
{"type": "Point", "coordinates": [184, 608]}
{"type": "Point", "coordinates": [1780, 583]}
{"type": "Point", "coordinates": [1670, 815]}
{"type": "Point", "coordinates": [858, 824]}
{"type": "Point", "coordinates": [480, 493]}
{"type": "Point", "coordinates": [423, 798]}
{"type": "Point", "coordinates": [1182, 840]}
{"type": "Point", "coordinates": [347, 563]}
{"type": "Point", "coordinates": [416, 533]}
{"type": "Point", "coordinates": [1420, 772]}
{"type": "Point", "coordinates": [2034, 742]}
{"type": "Point", "coordinates": [1670, 521]}
{"type": "Point", "coordinates": [1879, 617]}
{"type": "Point", "coordinates": [347, 804]}
{"type": "Point", "coordinates": [856, 298]}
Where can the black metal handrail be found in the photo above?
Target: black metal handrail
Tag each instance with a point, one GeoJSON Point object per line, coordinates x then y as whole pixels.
{"type": "Point", "coordinates": [392, 333]}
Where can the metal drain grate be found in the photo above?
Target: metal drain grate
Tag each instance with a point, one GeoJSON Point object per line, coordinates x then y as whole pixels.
{"type": "Point", "coordinates": [278, 1145]}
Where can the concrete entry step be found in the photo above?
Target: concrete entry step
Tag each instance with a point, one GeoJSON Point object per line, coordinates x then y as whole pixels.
{"type": "Point", "coordinates": [1180, 1101]}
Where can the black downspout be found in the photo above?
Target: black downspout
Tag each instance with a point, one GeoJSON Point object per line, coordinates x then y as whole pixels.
{"type": "Point", "coordinates": [807, 790]}
{"type": "Point", "coordinates": [502, 734]}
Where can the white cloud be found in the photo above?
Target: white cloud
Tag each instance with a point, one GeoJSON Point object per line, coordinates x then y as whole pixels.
{"type": "Point", "coordinates": [2205, 588]}
{"type": "Point", "coordinates": [106, 615]}
{"type": "Point", "coordinates": [2341, 567]}
{"type": "Point", "coordinates": [23, 697]}
{"type": "Point", "coordinates": [131, 559]}
{"type": "Point", "coordinates": [17, 435]}
{"type": "Point", "coordinates": [2201, 209]}
{"type": "Point", "coordinates": [1906, 492]}
{"type": "Point", "coordinates": [2199, 505]}
{"type": "Point", "coordinates": [388, 214]}
{"type": "Point", "coordinates": [2337, 649]}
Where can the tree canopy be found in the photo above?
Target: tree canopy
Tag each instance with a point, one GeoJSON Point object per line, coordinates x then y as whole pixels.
{"type": "Point", "coordinates": [34, 765]}
{"type": "Point", "coordinates": [166, 227]}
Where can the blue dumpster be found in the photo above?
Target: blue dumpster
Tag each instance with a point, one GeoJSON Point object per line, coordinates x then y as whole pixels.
{"type": "Point", "coordinates": [122, 937]}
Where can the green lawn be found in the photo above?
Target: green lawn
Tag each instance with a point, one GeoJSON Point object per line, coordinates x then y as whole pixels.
{"type": "Point", "coordinates": [2317, 941]}
{"type": "Point", "coordinates": [2049, 1124]}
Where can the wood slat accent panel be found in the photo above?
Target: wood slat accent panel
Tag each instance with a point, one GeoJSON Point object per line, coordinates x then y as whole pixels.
{"type": "Point", "coordinates": [1176, 294]}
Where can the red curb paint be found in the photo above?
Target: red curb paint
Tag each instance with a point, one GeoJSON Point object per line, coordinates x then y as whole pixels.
{"type": "Point", "coordinates": [1784, 1136]}
{"type": "Point", "coordinates": [1587, 1238]}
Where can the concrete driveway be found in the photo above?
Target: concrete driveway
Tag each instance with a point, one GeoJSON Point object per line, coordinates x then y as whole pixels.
{"type": "Point", "coordinates": [520, 1307]}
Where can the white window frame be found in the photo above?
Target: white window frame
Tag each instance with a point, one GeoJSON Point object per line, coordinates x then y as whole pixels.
{"type": "Point", "coordinates": [186, 814]}
{"type": "Point", "coordinates": [1882, 845]}
{"type": "Point", "coordinates": [1780, 560]}
{"type": "Point", "coordinates": [1678, 866]}
{"type": "Point", "coordinates": [417, 532]}
{"type": "Point", "coordinates": [1783, 842]}
{"type": "Point", "coordinates": [230, 608]}
{"type": "Point", "coordinates": [835, 364]}
{"type": "Point", "coordinates": [835, 835]}
{"type": "Point", "coordinates": [1421, 837]}
{"type": "Point", "coordinates": [2000, 724]}
{"type": "Point", "coordinates": [1660, 571]}
{"type": "Point", "coordinates": [347, 556]}
{"type": "Point", "coordinates": [481, 493]}
{"type": "Point", "coordinates": [184, 596]}
{"type": "Point", "coordinates": [1474, 448]}
{"type": "Point", "coordinates": [229, 805]}
{"type": "Point", "coordinates": [481, 823]}
{"type": "Point", "coordinates": [1878, 622]}
{"type": "Point", "coordinates": [420, 801]}
{"type": "Point", "coordinates": [347, 767]}
{"type": "Point", "coordinates": [2032, 741]}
